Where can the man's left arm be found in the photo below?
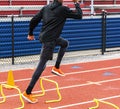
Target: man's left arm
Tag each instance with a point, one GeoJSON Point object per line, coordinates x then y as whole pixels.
{"type": "Point", "coordinates": [77, 14]}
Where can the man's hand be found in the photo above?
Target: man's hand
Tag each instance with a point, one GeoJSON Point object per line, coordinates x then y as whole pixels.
{"type": "Point", "coordinates": [30, 37]}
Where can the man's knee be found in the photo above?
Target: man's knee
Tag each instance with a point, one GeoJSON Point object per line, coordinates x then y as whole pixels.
{"type": "Point", "coordinates": [65, 44]}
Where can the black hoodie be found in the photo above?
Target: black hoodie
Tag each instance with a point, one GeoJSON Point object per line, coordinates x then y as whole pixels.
{"type": "Point", "coordinates": [53, 16]}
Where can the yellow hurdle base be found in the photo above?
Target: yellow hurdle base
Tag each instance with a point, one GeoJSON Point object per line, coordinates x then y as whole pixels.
{"type": "Point", "coordinates": [107, 103]}
{"type": "Point", "coordinates": [11, 87]}
{"type": "Point", "coordinates": [43, 90]}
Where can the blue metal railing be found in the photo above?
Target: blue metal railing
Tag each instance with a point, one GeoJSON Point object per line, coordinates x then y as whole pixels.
{"type": "Point", "coordinates": [86, 34]}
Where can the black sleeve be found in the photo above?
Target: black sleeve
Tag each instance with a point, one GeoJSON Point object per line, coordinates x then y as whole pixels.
{"type": "Point", "coordinates": [77, 14]}
{"type": "Point", "coordinates": [34, 22]}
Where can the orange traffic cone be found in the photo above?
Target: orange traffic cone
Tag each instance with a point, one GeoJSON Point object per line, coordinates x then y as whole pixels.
{"type": "Point", "coordinates": [10, 80]}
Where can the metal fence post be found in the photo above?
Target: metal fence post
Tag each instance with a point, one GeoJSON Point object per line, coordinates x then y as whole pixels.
{"type": "Point", "coordinates": [104, 14]}
{"type": "Point", "coordinates": [10, 2]}
{"type": "Point", "coordinates": [92, 7]}
{"type": "Point", "coordinates": [12, 22]}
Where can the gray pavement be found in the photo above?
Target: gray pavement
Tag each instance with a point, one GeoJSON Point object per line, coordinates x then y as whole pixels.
{"type": "Point", "coordinates": [69, 58]}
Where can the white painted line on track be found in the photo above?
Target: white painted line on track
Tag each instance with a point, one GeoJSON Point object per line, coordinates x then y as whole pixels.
{"type": "Point", "coordinates": [72, 73]}
{"type": "Point", "coordinates": [85, 102]}
{"type": "Point", "coordinates": [93, 70]}
{"type": "Point", "coordinates": [73, 86]}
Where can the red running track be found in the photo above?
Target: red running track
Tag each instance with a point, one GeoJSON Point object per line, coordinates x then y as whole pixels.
{"type": "Point", "coordinates": [83, 82]}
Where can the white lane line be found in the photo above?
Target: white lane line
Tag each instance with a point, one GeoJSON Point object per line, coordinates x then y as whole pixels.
{"type": "Point", "coordinates": [73, 86]}
{"type": "Point", "coordinates": [72, 73]}
{"type": "Point", "coordinates": [85, 102]}
{"type": "Point", "coordinates": [93, 70]}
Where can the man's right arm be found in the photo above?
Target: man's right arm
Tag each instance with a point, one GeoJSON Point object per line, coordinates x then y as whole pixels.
{"type": "Point", "coordinates": [34, 22]}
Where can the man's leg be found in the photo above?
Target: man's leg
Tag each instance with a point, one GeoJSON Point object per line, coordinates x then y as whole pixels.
{"type": "Point", "coordinates": [41, 66]}
{"type": "Point", "coordinates": [46, 54]}
{"type": "Point", "coordinates": [27, 94]}
{"type": "Point", "coordinates": [63, 46]}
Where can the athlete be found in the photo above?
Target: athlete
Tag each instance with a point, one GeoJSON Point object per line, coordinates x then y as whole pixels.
{"type": "Point", "coordinates": [53, 18]}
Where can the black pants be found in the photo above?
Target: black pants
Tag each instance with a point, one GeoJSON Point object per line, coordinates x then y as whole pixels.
{"type": "Point", "coordinates": [47, 54]}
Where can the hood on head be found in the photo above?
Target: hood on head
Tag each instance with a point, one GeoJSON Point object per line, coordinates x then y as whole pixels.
{"type": "Point", "coordinates": [55, 4]}
{"type": "Point", "coordinates": [55, 1]}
